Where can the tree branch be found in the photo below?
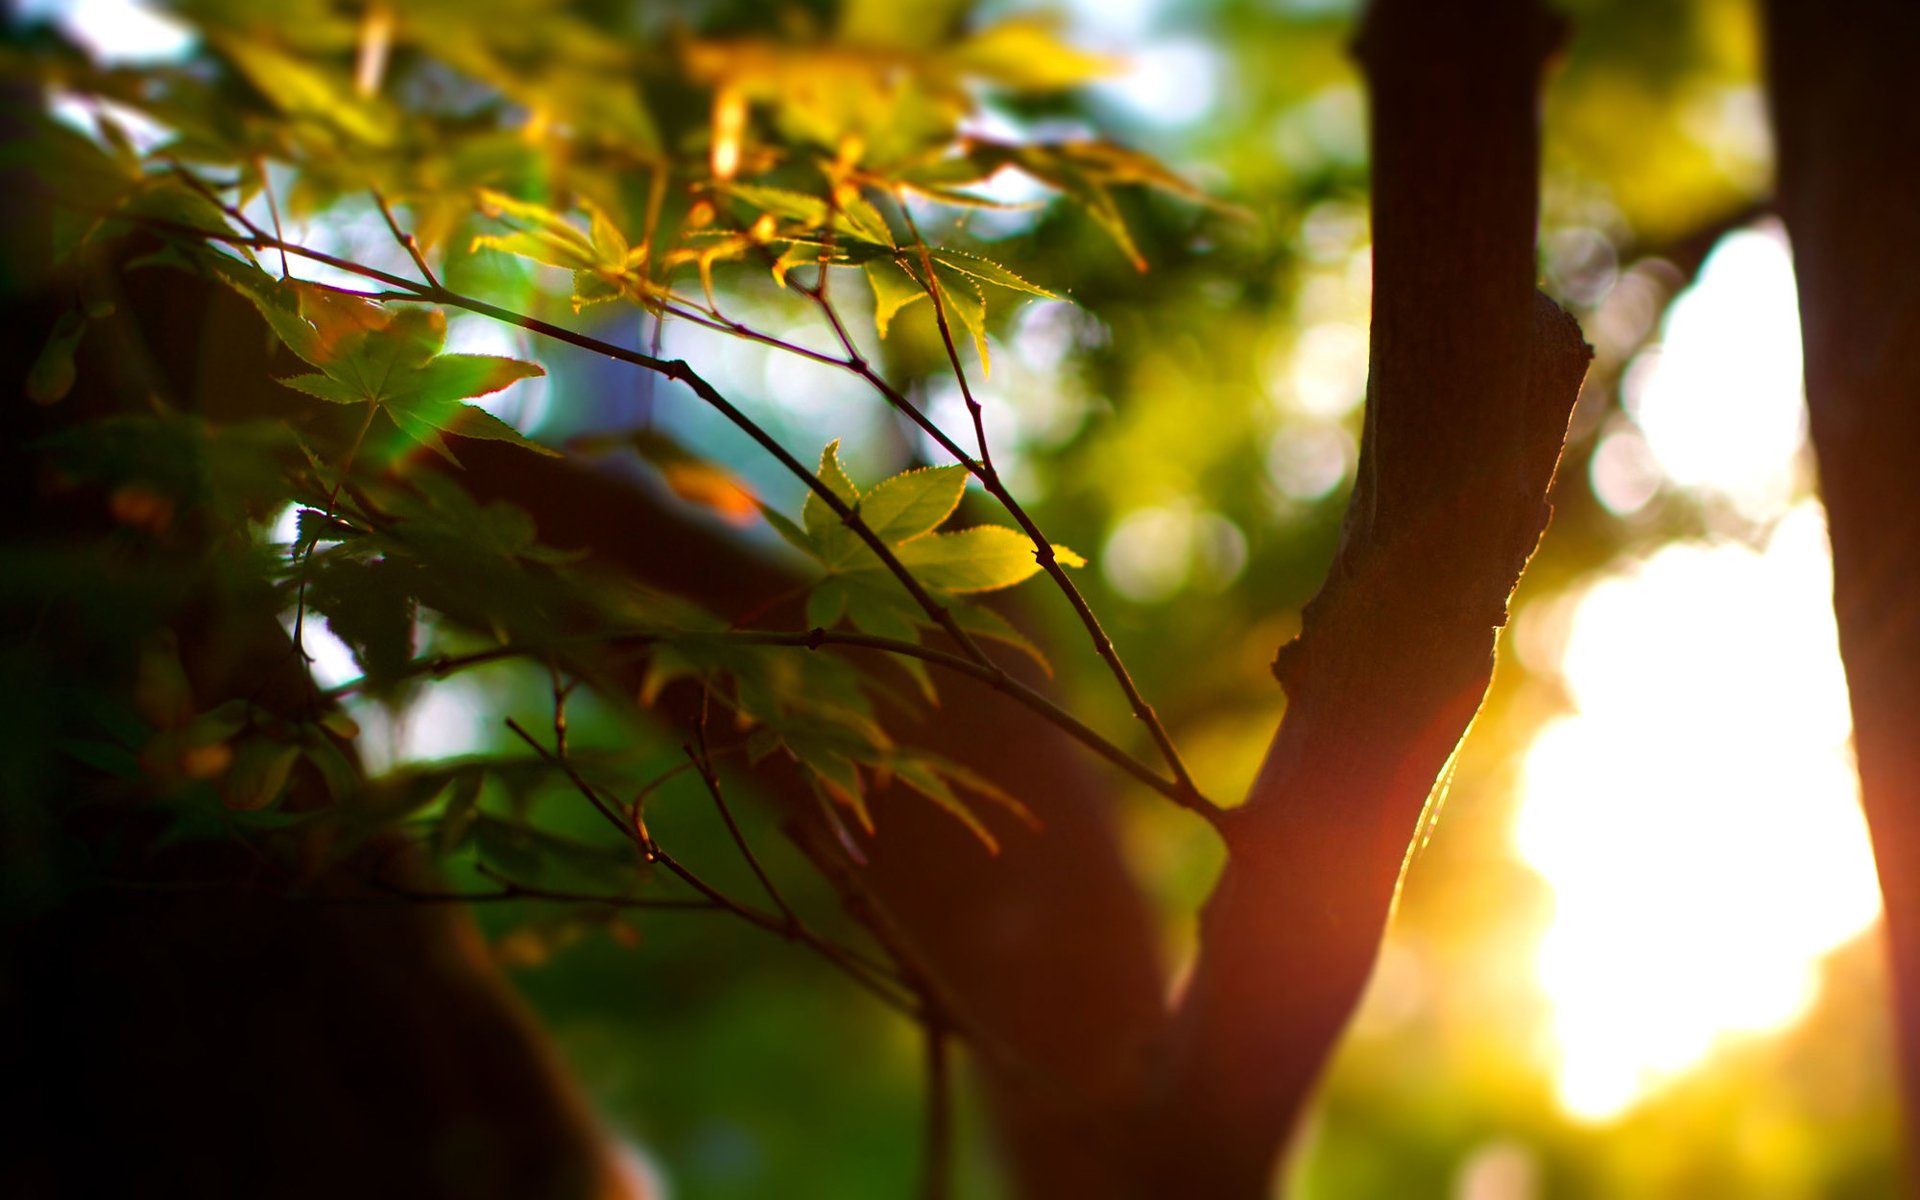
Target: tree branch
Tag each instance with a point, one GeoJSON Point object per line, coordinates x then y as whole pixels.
{"type": "Point", "coordinates": [1473, 376]}
{"type": "Point", "coordinates": [1847, 127]}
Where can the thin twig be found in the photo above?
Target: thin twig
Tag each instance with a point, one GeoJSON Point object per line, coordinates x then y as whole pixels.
{"type": "Point", "coordinates": [845, 961]}
{"type": "Point", "coordinates": [813, 639]}
{"type": "Point", "coordinates": [407, 241]}
{"type": "Point", "coordinates": [561, 690]}
{"type": "Point", "coordinates": [273, 211]}
{"type": "Point", "coordinates": [1181, 791]}
{"type": "Point", "coordinates": [1043, 552]}
{"type": "Point", "coordinates": [697, 754]}
{"type": "Point", "coordinates": [848, 962]}
{"type": "Point", "coordinates": [513, 889]}
{"type": "Point", "coordinates": [586, 789]}
{"type": "Point", "coordinates": [675, 369]}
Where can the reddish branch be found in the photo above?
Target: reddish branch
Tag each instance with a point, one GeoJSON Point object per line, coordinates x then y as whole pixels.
{"type": "Point", "coordinates": [1473, 376]}
{"type": "Point", "coordinates": [1848, 129]}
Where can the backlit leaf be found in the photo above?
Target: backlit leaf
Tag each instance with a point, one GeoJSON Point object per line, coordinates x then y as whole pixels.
{"type": "Point", "coordinates": [980, 559]}
{"type": "Point", "coordinates": [913, 502]}
{"type": "Point", "coordinates": [988, 271]}
{"type": "Point", "coordinates": [893, 289]}
{"type": "Point", "coordinates": [831, 539]}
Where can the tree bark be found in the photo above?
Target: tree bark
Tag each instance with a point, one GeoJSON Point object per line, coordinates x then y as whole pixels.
{"type": "Point", "coordinates": [1473, 375]}
{"type": "Point", "coordinates": [1847, 123]}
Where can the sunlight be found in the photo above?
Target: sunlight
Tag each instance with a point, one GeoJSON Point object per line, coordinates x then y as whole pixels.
{"type": "Point", "coordinates": [1719, 398]}
{"type": "Point", "coordinates": [1696, 817]}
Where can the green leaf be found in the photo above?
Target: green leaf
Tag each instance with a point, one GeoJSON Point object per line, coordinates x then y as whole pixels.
{"type": "Point", "coordinates": [258, 774]}
{"type": "Point", "coordinates": [539, 246]}
{"type": "Point", "coordinates": [1027, 54]}
{"type": "Point", "coordinates": [826, 603]}
{"type": "Point", "coordinates": [913, 503]}
{"type": "Point", "coordinates": [302, 90]}
{"type": "Point", "coordinates": [178, 204]}
{"type": "Point", "coordinates": [894, 287]}
{"type": "Point", "coordinates": [53, 373]}
{"type": "Point", "coordinates": [854, 217]}
{"type": "Point", "coordinates": [975, 782]}
{"type": "Point", "coordinates": [984, 622]}
{"type": "Point", "coordinates": [980, 559]}
{"type": "Point", "coordinates": [987, 271]}
{"type": "Point", "coordinates": [323, 387]}
{"type": "Point", "coordinates": [608, 242]}
{"type": "Point", "coordinates": [886, 612]}
{"type": "Point", "coordinates": [276, 302]}
{"type": "Point", "coordinates": [964, 305]}
{"type": "Point", "coordinates": [424, 425]}
{"type": "Point", "coordinates": [452, 377]}
{"type": "Point", "coordinates": [591, 287]}
{"type": "Point", "coordinates": [890, 24]}
{"type": "Point", "coordinates": [790, 533]}
{"type": "Point", "coordinates": [336, 770]}
{"type": "Point", "coordinates": [924, 780]}
{"type": "Point", "coordinates": [882, 612]}
{"type": "Point", "coordinates": [547, 236]}
{"type": "Point", "coordinates": [396, 366]}
{"type": "Point", "coordinates": [832, 540]}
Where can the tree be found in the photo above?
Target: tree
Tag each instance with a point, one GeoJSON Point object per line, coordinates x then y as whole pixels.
{"type": "Point", "coordinates": [1839, 111]}
{"type": "Point", "coordinates": [669, 175]}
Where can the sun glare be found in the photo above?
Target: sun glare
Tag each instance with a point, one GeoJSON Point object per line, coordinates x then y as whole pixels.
{"type": "Point", "coordinates": [1696, 816]}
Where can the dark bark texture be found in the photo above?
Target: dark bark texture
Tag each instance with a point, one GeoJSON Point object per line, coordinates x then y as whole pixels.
{"type": "Point", "coordinates": [1847, 123]}
{"type": "Point", "coordinates": [1473, 375]}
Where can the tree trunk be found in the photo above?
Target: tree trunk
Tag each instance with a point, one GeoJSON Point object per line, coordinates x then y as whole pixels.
{"type": "Point", "coordinates": [1473, 377]}
{"type": "Point", "coordinates": [1848, 128]}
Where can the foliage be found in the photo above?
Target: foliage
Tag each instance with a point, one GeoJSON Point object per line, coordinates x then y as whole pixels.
{"type": "Point", "coordinates": [374, 181]}
{"type": "Point", "coordinates": [684, 174]}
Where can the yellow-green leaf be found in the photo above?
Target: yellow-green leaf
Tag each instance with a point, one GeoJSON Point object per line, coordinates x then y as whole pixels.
{"type": "Point", "coordinates": [988, 271]}
{"type": "Point", "coordinates": [300, 89]}
{"type": "Point", "coordinates": [893, 289]}
{"type": "Point", "coordinates": [913, 503]}
{"type": "Point", "coordinates": [608, 242]}
{"type": "Point", "coordinates": [1026, 54]}
{"type": "Point", "coordinates": [980, 559]}
{"type": "Point", "coordinates": [966, 307]}
{"type": "Point", "coordinates": [831, 538]}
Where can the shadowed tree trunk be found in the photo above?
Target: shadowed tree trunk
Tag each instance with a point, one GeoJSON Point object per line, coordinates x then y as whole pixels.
{"type": "Point", "coordinates": [1847, 120]}
{"type": "Point", "coordinates": [1473, 375]}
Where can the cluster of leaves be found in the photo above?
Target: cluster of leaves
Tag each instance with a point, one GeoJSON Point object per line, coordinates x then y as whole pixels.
{"type": "Point", "coordinates": [516, 132]}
